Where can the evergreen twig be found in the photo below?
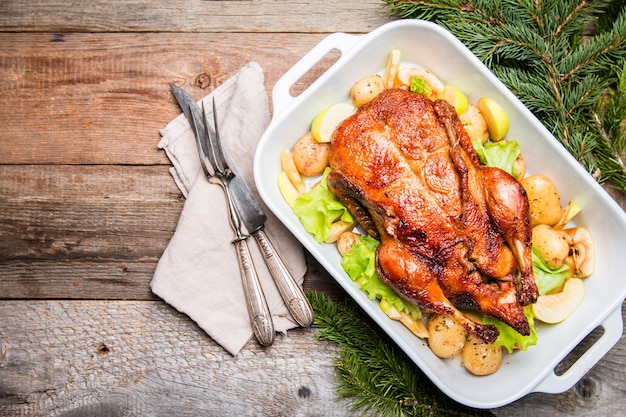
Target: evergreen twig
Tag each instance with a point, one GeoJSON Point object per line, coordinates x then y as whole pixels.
{"type": "Point", "coordinates": [559, 58]}
{"type": "Point", "coordinates": [374, 373]}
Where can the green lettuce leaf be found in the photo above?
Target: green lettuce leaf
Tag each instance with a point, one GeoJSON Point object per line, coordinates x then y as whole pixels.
{"type": "Point", "coordinates": [419, 86]}
{"type": "Point", "coordinates": [510, 338]}
{"type": "Point", "coordinates": [500, 154]}
{"type": "Point", "coordinates": [547, 278]}
{"type": "Point", "coordinates": [319, 208]}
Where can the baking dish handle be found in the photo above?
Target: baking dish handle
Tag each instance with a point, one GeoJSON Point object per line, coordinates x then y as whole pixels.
{"type": "Point", "coordinates": [280, 94]}
{"type": "Point", "coordinates": [613, 329]}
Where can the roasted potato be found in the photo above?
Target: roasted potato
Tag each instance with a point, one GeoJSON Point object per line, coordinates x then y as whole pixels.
{"type": "Point", "coordinates": [474, 123]}
{"type": "Point", "coordinates": [545, 204]}
{"type": "Point", "coordinates": [446, 337]}
{"type": "Point", "coordinates": [346, 240]}
{"type": "Point", "coordinates": [519, 168]}
{"type": "Point", "coordinates": [481, 358]}
{"type": "Point", "coordinates": [310, 156]}
{"type": "Point", "coordinates": [551, 244]}
{"type": "Point", "coordinates": [364, 90]}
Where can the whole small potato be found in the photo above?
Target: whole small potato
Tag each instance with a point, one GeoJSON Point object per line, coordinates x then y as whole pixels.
{"type": "Point", "coordinates": [519, 167]}
{"type": "Point", "coordinates": [364, 90]}
{"type": "Point", "coordinates": [551, 244]}
{"type": "Point", "coordinates": [310, 156]}
{"type": "Point", "coordinates": [481, 358]}
{"type": "Point", "coordinates": [446, 337]}
{"type": "Point", "coordinates": [474, 123]}
{"type": "Point", "coordinates": [543, 197]}
{"type": "Point", "coordinates": [346, 240]}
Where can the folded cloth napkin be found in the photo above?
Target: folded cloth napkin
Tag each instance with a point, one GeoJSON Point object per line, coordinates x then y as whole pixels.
{"type": "Point", "coordinates": [198, 273]}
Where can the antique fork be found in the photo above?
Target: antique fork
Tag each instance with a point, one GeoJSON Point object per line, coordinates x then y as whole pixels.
{"type": "Point", "coordinates": [218, 172]}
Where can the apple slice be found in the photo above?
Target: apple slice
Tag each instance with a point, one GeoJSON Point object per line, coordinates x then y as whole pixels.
{"type": "Point", "coordinates": [336, 229]}
{"type": "Point", "coordinates": [393, 66]}
{"type": "Point", "coordinates": [326, 121]}
{"type": "Point", "coordinates": [289, 168]}
{"type": "Point", "coordinates": [495, 116]}
{"type": "Point", "coordinates": [456, 98]}
{"type": "Point", "coordinates": [554, 308]}
{"type": "Point", "coordinates": [288, 191]}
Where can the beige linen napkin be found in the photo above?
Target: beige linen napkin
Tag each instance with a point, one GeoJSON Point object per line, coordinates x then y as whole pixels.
{"type": "Point", "coordinates": [198, 273]}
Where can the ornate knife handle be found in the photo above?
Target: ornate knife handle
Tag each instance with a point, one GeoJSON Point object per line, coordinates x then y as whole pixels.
{"type": "Point", "coordinates": [295, 299]}
{"type": "Point", "coordinates": [259, 313]}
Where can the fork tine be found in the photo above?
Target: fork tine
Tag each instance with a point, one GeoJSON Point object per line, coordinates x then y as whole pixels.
{"type": "Point", "coordinates": [216, 143]}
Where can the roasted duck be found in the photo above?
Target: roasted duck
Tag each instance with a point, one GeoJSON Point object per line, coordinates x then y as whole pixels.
{"type": "Point", "coordinates": [454, 234]}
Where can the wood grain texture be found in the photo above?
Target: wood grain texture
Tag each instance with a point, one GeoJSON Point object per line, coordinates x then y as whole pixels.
{"type": "Point", "coordinates": [81, 358]}
{"type": "Point", "coordinates": [218, 16]}
{"type": "Point", "coordinates": [96, 230]}
{"type": "Point", "coordinates": [102, 98]}
{"type": "Point", "coordinates": [90, 232]}
{"type": "Point", "coordinates": [129, 358]}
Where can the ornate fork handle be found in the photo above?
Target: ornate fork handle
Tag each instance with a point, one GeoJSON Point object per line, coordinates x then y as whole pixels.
{"type": "Point", "coordinates": [260, 317]}
{"type": "Point", "coordinates": [292, 294]}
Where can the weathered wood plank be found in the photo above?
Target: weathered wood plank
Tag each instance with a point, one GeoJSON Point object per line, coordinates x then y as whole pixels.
{"type": "Point", "coordinates": [83, 231]}
{"type": "Point", "coordinates": [120, 358]}
{"type": "Point", "coordinates": [90, 232]}
{"type": "Point", "coordinates": [102, 98]}
{"type": "Point", "coordinates": [192, 16]}
{"type": "Point", "coordinates": [144, 359]}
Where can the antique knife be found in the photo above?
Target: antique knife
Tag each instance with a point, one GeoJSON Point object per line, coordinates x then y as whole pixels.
{"type": "Point", "coordinates": [254, 219]}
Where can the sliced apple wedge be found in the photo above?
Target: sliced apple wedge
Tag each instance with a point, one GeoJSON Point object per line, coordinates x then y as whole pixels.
{"type": "Point", "coordinates": [287, 190]}
{"type": "Point", "coordinates": [289, 168]}
{"type": "Point", "coordinates": [326, 121]}
{"type": "Point", "coordinates": [554, 308]}
{"type": "Point", "coordinates": [495, 116]}
{"type": "Point", "coordinates": [336, 229]}
{"type": "Point", "coordinates": [456, 98]}
{"type": "Point", "coordinates": [393, 66]}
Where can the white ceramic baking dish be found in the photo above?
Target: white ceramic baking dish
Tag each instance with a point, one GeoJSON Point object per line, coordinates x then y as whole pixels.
{"type": "Point", "coordinates": [431, 46]}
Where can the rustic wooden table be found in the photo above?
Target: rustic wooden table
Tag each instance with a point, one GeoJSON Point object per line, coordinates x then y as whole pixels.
{"type": "Point", "coordinates": [87, 206]}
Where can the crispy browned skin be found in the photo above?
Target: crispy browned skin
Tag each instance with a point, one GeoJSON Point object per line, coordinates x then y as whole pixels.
{"type": "Point", "coordinates": [454, 234]}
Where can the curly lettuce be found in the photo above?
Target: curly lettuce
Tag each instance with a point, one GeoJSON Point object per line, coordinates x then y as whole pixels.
{"type": "Point", "coordinates": [498, 154]}
{"type": "Point", "coordinates": [419, 86]}
{"type": "Point", "coordinates": [547, 278]}
{"type": "Point", "coordinates": [319, 208]}
{"type": "Point", "coordinates": [509, 338]}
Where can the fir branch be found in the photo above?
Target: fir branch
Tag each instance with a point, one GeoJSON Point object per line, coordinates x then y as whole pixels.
{"type": "Point", "coordinates": [609, 118]}
{"type": "Point", "coordinates": [557, 56]}
{"type": "Point", "coordinates": [374, 373]}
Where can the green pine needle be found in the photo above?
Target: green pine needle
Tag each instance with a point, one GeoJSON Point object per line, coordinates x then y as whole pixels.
{"type": "Point", "coordinates": [374, 373]}
{"type": "Point", "coordinates": [559, 57]}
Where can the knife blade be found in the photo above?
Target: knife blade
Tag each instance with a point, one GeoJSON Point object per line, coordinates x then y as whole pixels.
{"type": "Point", "coordinates": [254, 219]}
{"type": "Point", "coordinates": [248, 207]}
